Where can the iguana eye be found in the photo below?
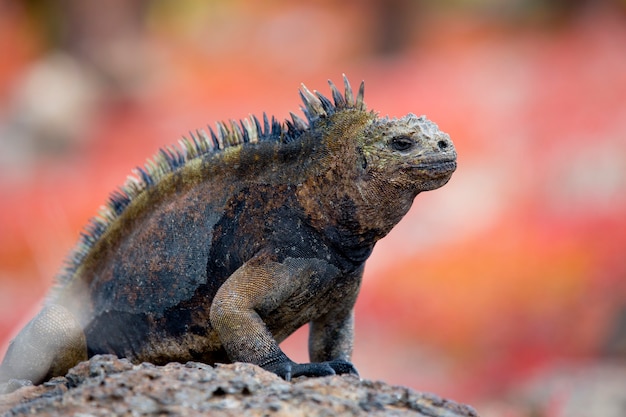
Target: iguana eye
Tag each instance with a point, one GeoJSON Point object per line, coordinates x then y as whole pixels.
{"type": "Point", "coordinates": [402, 143]}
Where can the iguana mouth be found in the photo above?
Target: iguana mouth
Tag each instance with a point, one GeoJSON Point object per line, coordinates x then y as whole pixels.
{"type": "Point", "coordinates": [436, 168]}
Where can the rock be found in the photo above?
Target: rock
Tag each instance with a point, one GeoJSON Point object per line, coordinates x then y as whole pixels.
{"type": "Point", "coordinates": [106, 385]}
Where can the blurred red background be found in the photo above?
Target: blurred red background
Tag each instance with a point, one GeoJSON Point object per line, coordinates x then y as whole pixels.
{"type": "Point", "coordinates": [512, 270]}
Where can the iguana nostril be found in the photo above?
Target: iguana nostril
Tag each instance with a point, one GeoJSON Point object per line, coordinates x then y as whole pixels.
{"type": "Point", "coordinates": [443, 145]}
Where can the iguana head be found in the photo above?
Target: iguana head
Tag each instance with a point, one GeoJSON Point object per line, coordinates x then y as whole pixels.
{"type": "Point", "coordinates": [411, 152]}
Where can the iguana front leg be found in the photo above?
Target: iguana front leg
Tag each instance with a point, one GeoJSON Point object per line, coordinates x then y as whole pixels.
{"type": "Point", "coordinates": [49, 345]}
{"type": "Point", "coordinates": [256, 288]}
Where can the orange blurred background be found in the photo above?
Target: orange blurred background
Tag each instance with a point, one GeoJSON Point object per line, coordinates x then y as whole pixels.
{"type": "Point", "coordinates": [511, 276]}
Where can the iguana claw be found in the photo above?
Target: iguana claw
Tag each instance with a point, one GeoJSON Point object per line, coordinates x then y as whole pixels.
{"type": "Point", "coordinates": [290, 369]}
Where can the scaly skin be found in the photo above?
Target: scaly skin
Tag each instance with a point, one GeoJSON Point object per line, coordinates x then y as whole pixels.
{"type": "Point", "coordinates": [219, 251]}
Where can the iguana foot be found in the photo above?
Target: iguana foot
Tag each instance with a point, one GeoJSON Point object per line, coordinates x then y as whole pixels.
{"type": "Point", "coordinates": [343, 367]}
{"type": "Point", "coordinates": [289, 369]}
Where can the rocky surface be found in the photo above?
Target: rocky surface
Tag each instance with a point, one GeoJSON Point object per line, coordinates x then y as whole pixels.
{"type": "Point", "coordinates": [106, 385]}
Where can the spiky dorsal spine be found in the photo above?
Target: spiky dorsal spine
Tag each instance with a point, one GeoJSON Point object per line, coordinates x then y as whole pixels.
{"type": "Point", "coordinates": [169, 159]}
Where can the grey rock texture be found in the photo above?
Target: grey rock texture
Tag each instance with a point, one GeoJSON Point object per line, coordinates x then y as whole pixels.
{"type": "Point", "coordinates": [106, 385]}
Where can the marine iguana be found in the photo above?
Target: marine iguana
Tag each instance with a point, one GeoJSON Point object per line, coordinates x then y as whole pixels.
{"type": "Point", "coordinates": [217, 250]}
